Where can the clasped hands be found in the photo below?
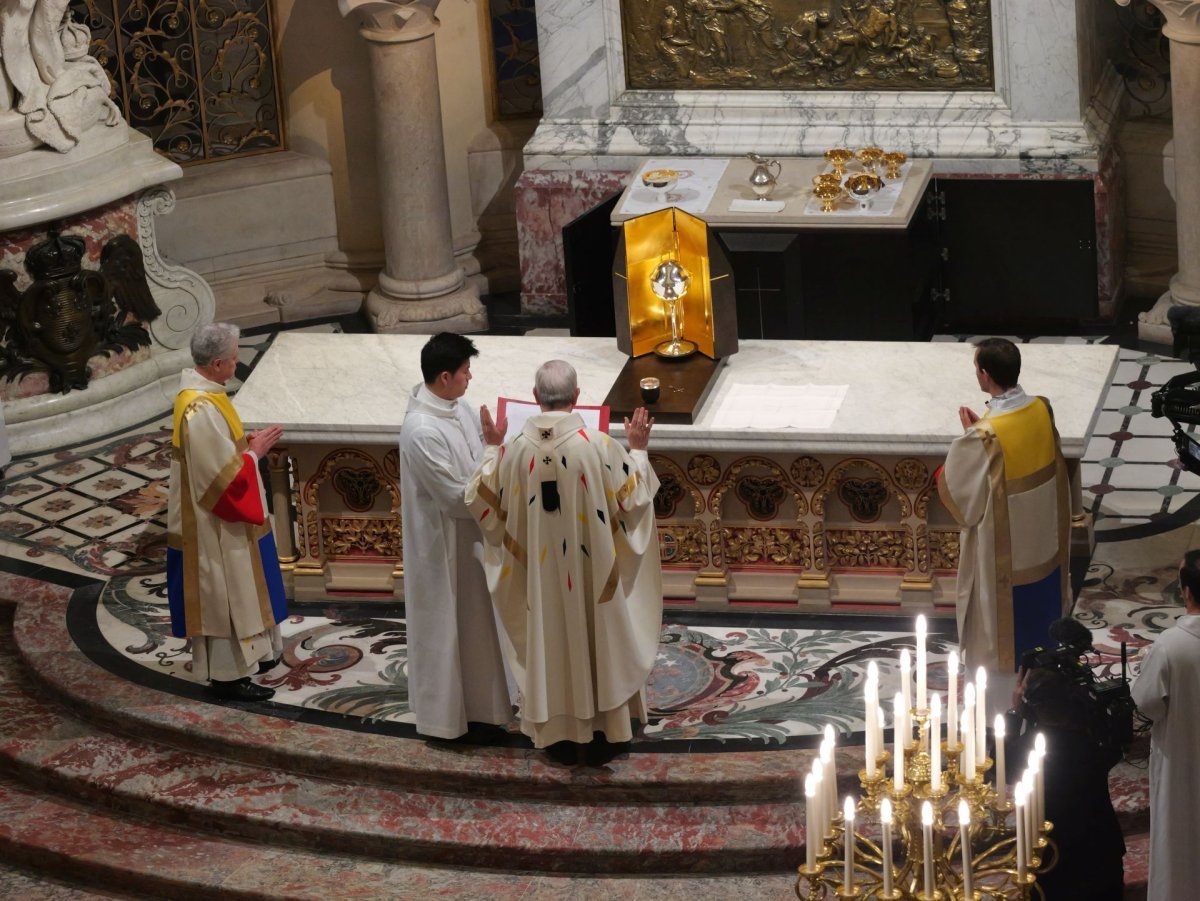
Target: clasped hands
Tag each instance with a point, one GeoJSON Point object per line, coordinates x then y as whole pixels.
{"type": "Point", "coordinates": [263, 440]}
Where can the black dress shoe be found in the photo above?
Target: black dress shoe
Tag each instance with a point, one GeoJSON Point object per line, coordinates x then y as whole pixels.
{"type": "Point", "coordinates": [564, 752]}
{"type": "Point", "coordinates": [267, 665]}
{"type": "Point", "coordinates": [240, 690]}
{"type": "Point", "coordinates": [600, 751]}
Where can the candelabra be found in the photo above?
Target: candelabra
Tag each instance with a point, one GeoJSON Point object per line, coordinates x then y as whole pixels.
{"type": "Point", "coordinates": [913, 851]}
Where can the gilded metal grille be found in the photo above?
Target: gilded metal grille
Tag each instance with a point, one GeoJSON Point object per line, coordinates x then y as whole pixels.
{"type": "Point", "coordinates": [196, 76]}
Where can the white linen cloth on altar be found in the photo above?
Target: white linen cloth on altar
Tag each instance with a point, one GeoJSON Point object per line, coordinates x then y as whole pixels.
{"type": "Point", "coordinates": [780, 406]}
{"type": "Point", "coordinates": [692, 193]}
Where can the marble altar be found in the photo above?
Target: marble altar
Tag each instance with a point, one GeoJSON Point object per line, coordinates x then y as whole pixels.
{"type": "Point", "coordinates": [812, 520]}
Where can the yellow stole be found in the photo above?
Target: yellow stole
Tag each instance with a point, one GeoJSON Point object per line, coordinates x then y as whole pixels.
{"type": "Point", "coordinates": [218, 399]}
{"type": "Point", "coordinates": [1027, 445]}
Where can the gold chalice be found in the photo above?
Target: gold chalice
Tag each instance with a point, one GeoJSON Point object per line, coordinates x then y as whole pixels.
{"type": "Point", "coordinates": [863, 184]}
{"type": "Point", "coordinates": [829, 194]}
{"type": "Point", "coordinates": [827, 178]}
{"type": "Point", "coordinates": [894, 161]}
{"type": "Point", "coordinates": [869, 157]}
{"type": "Point", "coordinates": [838, 157]}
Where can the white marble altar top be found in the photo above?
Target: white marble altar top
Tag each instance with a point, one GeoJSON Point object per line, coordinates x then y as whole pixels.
{"type": "Point", "coordinates": [794, 188]}
{"type": "Point", "coordinates": [903, 397]}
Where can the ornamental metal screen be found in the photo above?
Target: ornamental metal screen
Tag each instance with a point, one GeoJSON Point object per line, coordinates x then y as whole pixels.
{"type": "Point", "coordinates": [196, 76]}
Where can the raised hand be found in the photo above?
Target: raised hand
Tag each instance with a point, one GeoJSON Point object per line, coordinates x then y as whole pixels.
{"type": "Point", "coordinates": [967, 417]}
{"type": "Point", "coordinates": [493, 431]}
{"type": "Point", "coordinates": [637, 430]}
{"type": "Point", "coordinates": [264, 439]}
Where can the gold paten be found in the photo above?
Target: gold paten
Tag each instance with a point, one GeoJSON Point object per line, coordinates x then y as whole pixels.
{"type": "Point", "coordinates": [895, 45]}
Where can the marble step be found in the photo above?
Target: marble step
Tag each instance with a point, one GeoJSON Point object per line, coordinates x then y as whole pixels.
{"type": "Point", "coordinates": [47, 747]}
{"type": "Point", "coordinates": [103, 849]}
{"type": "Point", "coordinates": [113, 703]}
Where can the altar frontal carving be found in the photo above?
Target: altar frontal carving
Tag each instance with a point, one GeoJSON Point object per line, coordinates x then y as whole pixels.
{"type": "Point", "coordinates": [70, 314]}
{"type": "Point", "coordinates": [898, 45]}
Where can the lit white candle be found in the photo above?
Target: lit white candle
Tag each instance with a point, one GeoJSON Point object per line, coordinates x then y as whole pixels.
{"type": "Point", "coordinates": [885, 820]}
{"type": "Point", "coordinates": [935, 741]}
{"type": "Point", "coordinates": [964, 839]}
{"type": "Point", "coordinates": [819, 800]}
{"type": "Point", "coordinates": [879, 726]}
{"type": "Point", "coordinates": [1035, 824]}
{"type": "Point", "coordinates": [980, 716]}
{"type": "Point", "coordinates": [927, 834]}
{"type": "Point", "coordinates": [810, 830]}
{"type": "Point", "coordinates": [922, 631]}
{"type": "Point", "coordinates": [1019, 804]}
{"type": "Point", "coordinates": [952, 699]}
{"type": "Point", "coordinates": [898, 752]}
{"type": "Point", "coordinates": [871, 701]}
{"type": "Point", "coordinates": [967, 763]}
{"type": "Point", "coordinates": [831, 740]}
{"type": "Point", "coordinates": [1001, 784]}
{"type": "Point", "coordinates": [848, 839]}
{"type": "Point", "coordinates": [829, 802]}
{"type": "Point", "coordinates": [906, 684]}
{"type": "Point", "coordinates": [1039, 745]}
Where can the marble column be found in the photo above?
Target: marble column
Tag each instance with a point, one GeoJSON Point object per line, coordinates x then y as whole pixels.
{"type": "Point", "coordinates": [421, 288]}
{"type": "Point", "coordinates": [1182, 29]}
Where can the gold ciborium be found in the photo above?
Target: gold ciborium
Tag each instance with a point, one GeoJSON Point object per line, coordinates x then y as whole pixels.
{"type": "Point", "coordinates": [660, 181]}
{"type": "Point", "coordinates": [830, 194]}
{"type": "Point", "coordinates": [838, 157]}
{"type": "Point", "coordinates": [869, 157]}
{"type": "Point", "coordinates": [894, 161]}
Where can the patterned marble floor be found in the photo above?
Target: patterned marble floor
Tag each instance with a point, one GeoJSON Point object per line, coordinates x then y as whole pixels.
{"type": "Point", "coordinates": [721, 683]}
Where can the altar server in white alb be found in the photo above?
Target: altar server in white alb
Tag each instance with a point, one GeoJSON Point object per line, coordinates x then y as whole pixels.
{"type": "Point", "coordinates": [456, 682]}
{"type": "Point", "coordinates": [572, 561]}
{"type": "Point", "coordinates": [224, 588]}
{"type": "Point", "coordinates": [1005, 482]}
{"type": "Point", "coordinates": [1167, 690]}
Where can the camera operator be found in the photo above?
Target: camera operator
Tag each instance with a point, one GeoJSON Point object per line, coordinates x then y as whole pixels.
{"type": "Point", "coordinates": [1055, 696]}
{"type": "Point", "coordinates": [1167, 691]}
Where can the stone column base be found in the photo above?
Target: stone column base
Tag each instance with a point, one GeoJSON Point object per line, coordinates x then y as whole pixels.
{"type": "Point", "coordinates": [1153, 325]}
{"type": "Point", "coordinates": [459, 311]}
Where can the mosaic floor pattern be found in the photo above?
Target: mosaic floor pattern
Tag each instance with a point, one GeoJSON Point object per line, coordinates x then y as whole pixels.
{"type": "Point", "coordinates": [761, 681]}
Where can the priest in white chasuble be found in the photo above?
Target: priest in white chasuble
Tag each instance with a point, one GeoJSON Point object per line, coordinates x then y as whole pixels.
{"type": "Point", "coordinates": [456, 682]}
{"type": "Point", "coordinates": [572, 562]}
{"type": "Point", "coordinates": [1005, 482]}
{"type": "Point", "coordinates": [224, 587]}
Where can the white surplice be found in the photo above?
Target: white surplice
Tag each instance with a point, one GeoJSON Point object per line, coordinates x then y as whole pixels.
{"type": "Point", "coordinates": [578, 586]}
{"type": "Point", "coordinates": [455, 666]}
{"type": "Point", "coordinates": [1167, 690]}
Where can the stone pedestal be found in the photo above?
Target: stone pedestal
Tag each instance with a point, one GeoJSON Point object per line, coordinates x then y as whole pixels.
{"type": "Point", "coordinates": [1182, 29]}
{"type": "Point", "coordinates": [421, 288]}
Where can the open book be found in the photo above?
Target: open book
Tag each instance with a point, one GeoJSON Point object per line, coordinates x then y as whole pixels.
{"type": "Point", "coordinates": [518, 411]}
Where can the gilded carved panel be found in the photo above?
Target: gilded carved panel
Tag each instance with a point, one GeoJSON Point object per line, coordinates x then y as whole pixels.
{"type": "Point", "coordinates": [898, 45]}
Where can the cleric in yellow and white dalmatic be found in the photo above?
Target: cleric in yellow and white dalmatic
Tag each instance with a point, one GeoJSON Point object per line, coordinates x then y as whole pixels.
{"type": "Point", "coordinates": [224, 587]}
{"type": "Point", "coordinates": [1005, 482]}
{"type": "Point", "coordinates": [571, 554]}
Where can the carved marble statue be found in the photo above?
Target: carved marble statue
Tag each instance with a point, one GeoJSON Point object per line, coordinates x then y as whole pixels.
{"type": "Point", "coordinates": [51, 91]}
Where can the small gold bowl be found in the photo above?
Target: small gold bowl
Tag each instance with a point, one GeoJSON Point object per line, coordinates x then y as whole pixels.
{"type": "Point", "coordinates": [827, 178]}
{"type": "Point", "coordinates": [894, 161]}
{"type": "Point", "coordinates": [658, 179]}
{"type": "Point", "coordinates": [869, 156]}
{"type": "Point", "coordinates": [838, 157]}
{"type": "Point", "coordinates": [829, 194]}
{"type": "Point", "coordinates": [863, 184]}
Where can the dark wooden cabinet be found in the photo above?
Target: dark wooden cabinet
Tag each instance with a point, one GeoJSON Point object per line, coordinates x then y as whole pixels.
{"type": "Point", "coordinates": [978, 255]}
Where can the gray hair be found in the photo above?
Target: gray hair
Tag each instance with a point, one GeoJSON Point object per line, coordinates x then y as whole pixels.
{"type": "Point", "coordinates": [210, 342]}
{"type": "Point", "coordinates": [555, 384]}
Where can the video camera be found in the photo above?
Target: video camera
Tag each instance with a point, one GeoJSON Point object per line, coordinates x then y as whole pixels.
{"type": "Point", "coordinates": [1179, 401]}
{"type": "Point", "coordinates": [1108, 703]}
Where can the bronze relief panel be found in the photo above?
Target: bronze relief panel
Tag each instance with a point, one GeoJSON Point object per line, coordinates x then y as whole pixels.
{"type": "Point", "coordinates": [897, 45]}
